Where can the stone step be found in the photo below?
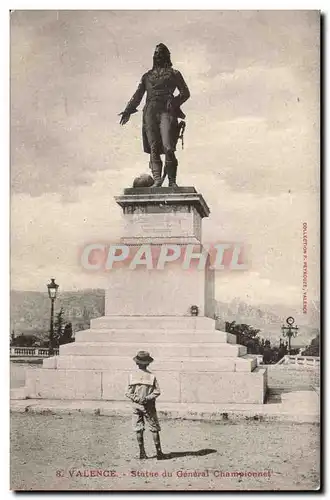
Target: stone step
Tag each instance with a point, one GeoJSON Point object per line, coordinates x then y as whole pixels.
{"type": "Point", "coordinates": [157, 349]}
{"type": "Point", "coordinates": [147, 336]}
{"type": "Point", "coordinates": [154, 323]}
{"type": "Point", "coordinates": [175, 364]}
{"type": "Point", "coordinates": [184, 387]}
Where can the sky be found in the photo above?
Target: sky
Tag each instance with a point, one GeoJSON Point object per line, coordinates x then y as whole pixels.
{"type": "Point", "coordinates": [251, 143]}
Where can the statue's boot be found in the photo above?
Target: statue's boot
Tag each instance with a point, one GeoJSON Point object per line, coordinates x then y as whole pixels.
{"type": "Point", "coordinates": [156, 169]}
{"type": "Point", "coordinates": [171, 169]}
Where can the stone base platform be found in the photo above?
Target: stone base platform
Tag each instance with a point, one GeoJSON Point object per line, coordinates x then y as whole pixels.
{"type": "Point", "coordinates": [185, 387]}
{"type": "Point", "coordinates": [194, 363]}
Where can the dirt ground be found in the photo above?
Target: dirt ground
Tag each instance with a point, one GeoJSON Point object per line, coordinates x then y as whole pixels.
{"type": "Point", "coordinates": [81, 452]}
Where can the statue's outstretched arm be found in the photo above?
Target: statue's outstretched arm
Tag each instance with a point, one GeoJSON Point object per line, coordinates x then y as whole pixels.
{"type": "Point", "coordinates": [134, 102]}
{"type": "Point", "coordinates": [183, 89]}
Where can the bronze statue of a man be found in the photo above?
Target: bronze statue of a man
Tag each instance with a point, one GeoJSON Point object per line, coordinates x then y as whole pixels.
{"type": "Point", "coordinates": [160, 126]}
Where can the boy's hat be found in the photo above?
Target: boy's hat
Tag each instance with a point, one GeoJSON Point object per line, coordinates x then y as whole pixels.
{"type": "Point", "coordinates": [143, 358]}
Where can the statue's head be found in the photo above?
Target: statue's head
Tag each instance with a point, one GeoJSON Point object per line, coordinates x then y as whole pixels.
{"type": "Point", "coordinates": [162, 56]}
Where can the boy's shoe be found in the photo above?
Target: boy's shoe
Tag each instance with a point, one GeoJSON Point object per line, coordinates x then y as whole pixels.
{"type": "Point", "coordinates": [143, 455]}
{"type": "Point", "coordinates": [160, 455]}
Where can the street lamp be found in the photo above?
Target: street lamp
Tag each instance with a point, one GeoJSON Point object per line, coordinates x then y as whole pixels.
{"type": "Point", "coordinates": [52, 292]}
{"type": "Point", "coordinates": [290, 330]}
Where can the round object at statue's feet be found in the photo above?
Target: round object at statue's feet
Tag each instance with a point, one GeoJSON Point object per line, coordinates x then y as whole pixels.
{"type": "Point", "coordinates": [144, 180]}
{"type": "Point", "coordinates": [173, 185]}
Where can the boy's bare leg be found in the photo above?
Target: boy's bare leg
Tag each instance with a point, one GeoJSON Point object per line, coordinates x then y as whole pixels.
{"type": "Point", "coordinates": [158, 447]}
{"type": "Point", "coordinates": [140, 440]}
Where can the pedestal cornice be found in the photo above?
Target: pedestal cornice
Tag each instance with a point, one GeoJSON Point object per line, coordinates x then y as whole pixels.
{"type": "Point", "coordinates": [182, 196]}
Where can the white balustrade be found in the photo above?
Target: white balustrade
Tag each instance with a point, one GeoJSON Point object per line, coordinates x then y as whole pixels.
{"type": "Point", "coordinates": [31, 352]}
{"type": "Point", "coordinates": [299, 360]}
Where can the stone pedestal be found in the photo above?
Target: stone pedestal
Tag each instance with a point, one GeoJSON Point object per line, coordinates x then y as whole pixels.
{"type": "Point", "coordinates": [149, 309]}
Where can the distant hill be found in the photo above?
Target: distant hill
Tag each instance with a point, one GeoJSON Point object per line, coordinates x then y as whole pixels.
{"type": "Point", "coordinates": [30, 311]}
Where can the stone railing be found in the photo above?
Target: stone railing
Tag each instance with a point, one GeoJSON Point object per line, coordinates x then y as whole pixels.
{"type": "Point", "coordinates": [299, 360]}
{"type": "Point", "coordinates": [31, 352]}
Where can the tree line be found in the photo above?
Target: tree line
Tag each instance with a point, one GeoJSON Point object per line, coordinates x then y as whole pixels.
{"type": "Point", "coordinates": [63, 333]}
{"type": "Point", "coordinates": [248, 336]}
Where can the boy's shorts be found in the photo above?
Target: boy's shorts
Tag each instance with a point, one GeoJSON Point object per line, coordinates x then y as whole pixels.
{"type": "Point", "coordinates": [148, 413]}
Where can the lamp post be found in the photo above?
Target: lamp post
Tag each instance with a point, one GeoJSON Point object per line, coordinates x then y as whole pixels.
{"type": "Point", "coordinates": [290, 330]}
{"type": "Point", "coordinates": [52, 292]}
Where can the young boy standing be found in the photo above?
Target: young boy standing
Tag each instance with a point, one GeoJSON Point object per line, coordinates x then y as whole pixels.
{"type": "Point", "coordinates": [143, 389]}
